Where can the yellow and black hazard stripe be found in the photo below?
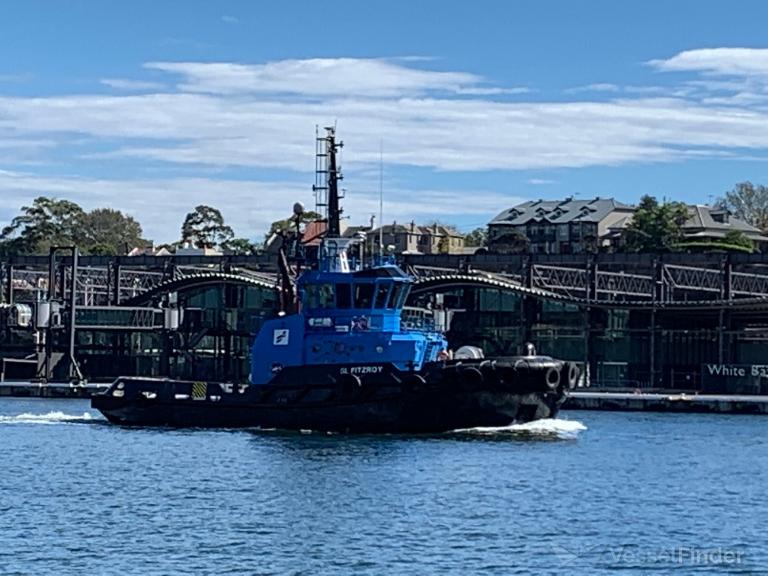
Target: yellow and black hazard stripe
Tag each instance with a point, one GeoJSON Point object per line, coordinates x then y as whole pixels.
{"type": "Point", "coordinates": [199, 390]}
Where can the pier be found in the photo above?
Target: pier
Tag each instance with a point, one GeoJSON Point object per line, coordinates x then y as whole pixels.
{"type": "Point", "coordinates": [49, 390]}
{"type": "Point", "coordinates": [667, 402]}
{"type": "Point", "coordinates": [660, 401]}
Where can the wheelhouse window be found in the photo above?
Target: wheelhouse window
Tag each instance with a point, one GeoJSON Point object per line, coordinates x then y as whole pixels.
{"type": "Point", "coordinates": [343, 295]}
{"type": "Point", "coordinates": [382, 294]}
{"type": "Point", "coordinates": [398, 291]}
{"type": "Point", "coordinates": [319, 296]}
{"type": "Point", "coordinates": [363, 295]}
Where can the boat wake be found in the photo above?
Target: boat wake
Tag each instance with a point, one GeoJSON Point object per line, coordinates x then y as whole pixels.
{"type": "Point", "coordinates": [48, 418]}
{"type": "Point", "coordinates": [547, 428]}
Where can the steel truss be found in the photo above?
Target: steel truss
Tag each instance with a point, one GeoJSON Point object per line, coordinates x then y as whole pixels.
{"type": "Point", "coordinates": [656, 282]}
{"type": "Point", "coordinates": [652, 281]}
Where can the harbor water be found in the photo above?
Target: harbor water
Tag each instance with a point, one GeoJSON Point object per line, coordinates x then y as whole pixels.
{"type": "Point", "coordinates": [589, 493]}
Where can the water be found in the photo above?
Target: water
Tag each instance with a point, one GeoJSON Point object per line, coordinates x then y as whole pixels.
{"type": "Point", "coordinates": [592, 493]}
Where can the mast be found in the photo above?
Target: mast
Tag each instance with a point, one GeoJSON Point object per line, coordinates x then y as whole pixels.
{"type": "Point", "coordinates": [328, 175]}
{"type": "Point", "coordinates": [381, 199]}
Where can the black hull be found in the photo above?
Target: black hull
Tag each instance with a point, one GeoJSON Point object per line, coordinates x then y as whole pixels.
{"type": "Point", "coordinates": [395, 415]}
{"type": "Point", "coordinates": [438, 399]}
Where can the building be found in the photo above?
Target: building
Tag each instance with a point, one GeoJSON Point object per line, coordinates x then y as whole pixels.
{"type": "Point", "coordinates": [707, 224]}
{"type": "Point", "coordinates": [150, 251]}
{"type": "Point", "coordinates": [188, 250]}
{"type": "Point", "coordinates": [576, 226]}
{"type": "Point", "coordinates": [559, 226]}
{"type": "Point", "coordinates": [413, 239]}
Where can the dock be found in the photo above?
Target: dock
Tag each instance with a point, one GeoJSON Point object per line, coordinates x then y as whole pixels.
{"type": "Point", "coordinates": [667, 402]}
{"type": "Point", "coordinates": [578, 399]}
{"type": "Point", "coordinates": [50, 390]}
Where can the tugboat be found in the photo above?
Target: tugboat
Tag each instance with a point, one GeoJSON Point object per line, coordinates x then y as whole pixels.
{"type": "Point", "coordinates": [341, 357]}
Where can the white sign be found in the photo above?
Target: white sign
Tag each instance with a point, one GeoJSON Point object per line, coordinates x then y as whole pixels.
{"type": "Point", "coordinates": [361, 370]}
{"type": "Point", "coordinates": [280, 337]}
{"type": "Point", "coordinates": [738, 370]}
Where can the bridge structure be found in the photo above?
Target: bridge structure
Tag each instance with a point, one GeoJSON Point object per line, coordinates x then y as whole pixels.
{"type": "Point", "coordinates": [609, 281]}
{"type": "Point", "coordinates": [721, 298]}
{"type": "Point", "coordinates": [637, 321]}
{"type": "Point", "coordinates": [115, 280]}
{"type": "Point", "coordinates": [603, 280]}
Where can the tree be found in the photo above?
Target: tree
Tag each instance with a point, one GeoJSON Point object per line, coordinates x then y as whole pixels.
{"type": "Point", "coordinates": [656, 227]}
{"type": "Point", "coordinates": [239, 246]}
{"type": "Point", "coordinates": [51, 222]}
{"type": "Point", "coordinates": [748, 202]}
{"type": "Point", "coordinates": [509, 241]}
{"type": "Point", "coordinates": [289, 224]}
{"type": "Point", "coordinates": [204, 228]}
{"type": "Point", "coordinates": [47, 222]}
{"type": "Point", "coordinates": [738, 238]}
{"type": "Point", "coordinates": [477, 237]}
{"type": "Point", "coordinates": [110, 232]}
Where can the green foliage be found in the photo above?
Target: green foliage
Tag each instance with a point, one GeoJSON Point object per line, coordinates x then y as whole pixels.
{"type": "Point", "coordinates": [109, 232]}
{"type": "Point", "coordinates": [656, 227]}
{"type": "Point", "coordinates": [289, 224]}
{"type": "Point", "coordinates": [204, 228]}
{"type": "Point", "coordinates": [510, 241]}
{"type": "Point", "coordinates": [51, 222]}
{"type": "Point", "coordinates": [478, 237]}
{"type": "Point", "coordinates": [738, 238]}
{"type": "Point", "coordinates": [102, 250]}
{"type": "Point", "coordinates": [239, 246]}
{"type": "Point", "coordinates": [705, 246]}
{"type": "Point", "coordinates": [47, 222]}
{"type": "Point", "coordinates": [747, 202]}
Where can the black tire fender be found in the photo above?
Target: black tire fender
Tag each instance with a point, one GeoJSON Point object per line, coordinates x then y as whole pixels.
{"type": "Point", "coordinates": [470, 379]}
{"type": "Point", "coordinates": [349, 386]}
{"type": "Point", "coordinates": [552, 378]}
{"type": "Point", "coordinates": [413, 383]}
{"type": "Point", "coordinates": [573, 374]}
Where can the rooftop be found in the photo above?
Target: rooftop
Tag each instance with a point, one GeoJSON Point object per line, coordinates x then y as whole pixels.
{"type": "Point", "coordinates": [560, 211]}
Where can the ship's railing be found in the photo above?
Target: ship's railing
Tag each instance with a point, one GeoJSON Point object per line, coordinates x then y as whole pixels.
{"type": "Point", "coordinates": [419, 319]}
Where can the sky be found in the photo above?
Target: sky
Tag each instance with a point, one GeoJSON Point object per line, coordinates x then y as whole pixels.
{"type": "Point", "coordinates": [455, 110]}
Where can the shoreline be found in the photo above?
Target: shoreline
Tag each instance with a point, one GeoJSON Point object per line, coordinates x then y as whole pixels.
{"type": "Point", "coordinates": [661, 401]}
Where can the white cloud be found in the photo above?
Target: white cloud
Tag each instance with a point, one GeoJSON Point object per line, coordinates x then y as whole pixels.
{"type": "Point", "coordinates": [250, 206]}
{"type": "Point", "coordinates": [228, 19]}
{"type": "Point", "coordinates": [478, 91]}
{"type": "Point", "coordinates": [733, 77]}
{"type": "Point", "coordinates": [258, 117]}
{"type": "Point", "coordinates": [600, 87]}
{"type": "Point", "coordinates": [718, 61]}
{"type": "Point", "coordinates": [446, 134]}
{"type": "Point", "coordinates": [160, 204]}
{"type": "Point", "coordinates": [540, 181]}
{"type": "Point", "coordinates": [131, 85]}
{"type": "Point", "coordinates": [316, 76]}
{"type": "Point", "coordinates": [15, 78]}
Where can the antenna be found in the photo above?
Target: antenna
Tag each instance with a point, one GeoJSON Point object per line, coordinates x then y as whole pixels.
{"type": "Point", "coordinates": [381, 198]}
{"type": "Point", "coordinates": [327, 176]}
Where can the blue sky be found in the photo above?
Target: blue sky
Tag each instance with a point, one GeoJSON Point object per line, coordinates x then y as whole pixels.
{"type": "Point", "coordinates": [155, 107]}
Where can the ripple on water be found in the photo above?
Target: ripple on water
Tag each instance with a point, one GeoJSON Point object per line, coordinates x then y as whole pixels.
{"type": "Point", "coordinates": [622, 493]}
{"type": "Point", "coordinates": [53, 417]}
{"type": "Point", "coordinates": [544, 428]}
